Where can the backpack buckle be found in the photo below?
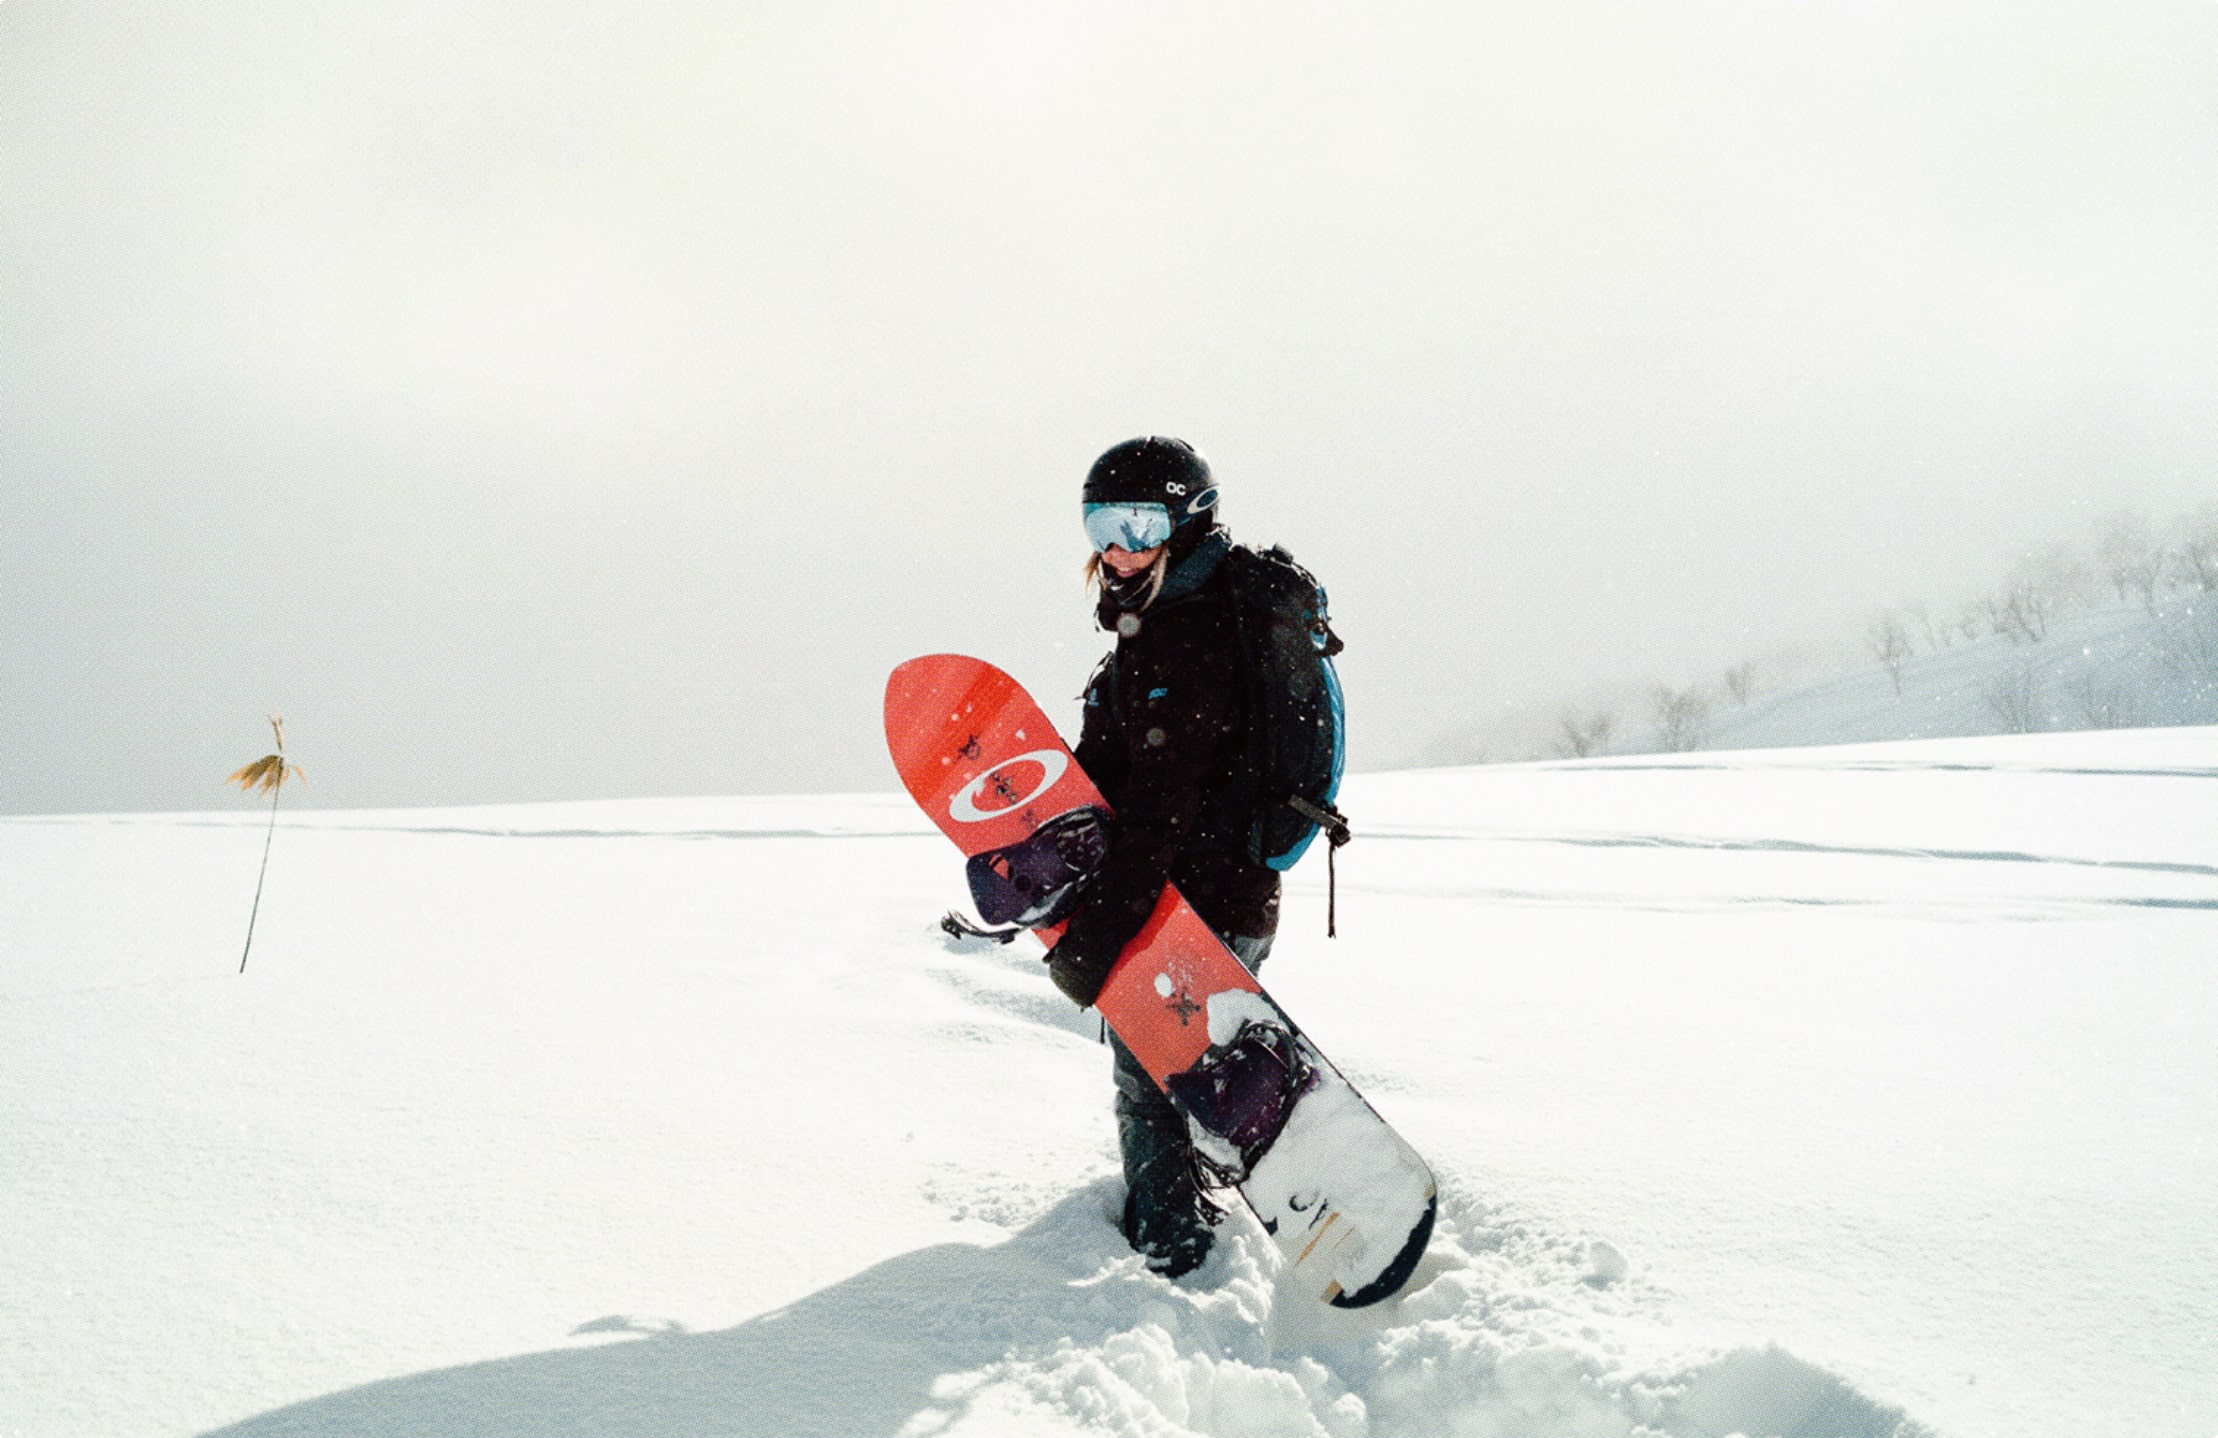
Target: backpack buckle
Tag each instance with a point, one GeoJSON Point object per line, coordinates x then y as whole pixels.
{"type": "Point", "coordinates": [1324, 816]}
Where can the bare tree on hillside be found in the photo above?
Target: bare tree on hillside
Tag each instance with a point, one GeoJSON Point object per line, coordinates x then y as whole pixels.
{"type": "Point", "coordinates": [2014, 699]}
{"type": "Point", "coordinates": [2022, 612]}
{"type": "Point", "coordinates": [1578, 738]}
{"type": "Point", "coordinates": [2040, 588]}
{"type": "Point", "coordinates": [1937, 635]}
{"type": "Point", "coordinates": [1682, 718]}
{"type": "Point", "coordinates": [2096, 705]}
{"type": "Point", "coordinates": [1975, 622]}
{"type": "Point", "coordinates": [1889, 639]}
{"type": "Point", "coordinates": [2194, 560]}
{"type": "Point", "coordinates": [1740, 682]}
{"type": "Point", "coordinates": [2130, 558]}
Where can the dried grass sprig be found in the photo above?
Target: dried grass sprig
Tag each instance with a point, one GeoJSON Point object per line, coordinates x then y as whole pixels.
{"type": "Point", "coordinates": [266, 775]}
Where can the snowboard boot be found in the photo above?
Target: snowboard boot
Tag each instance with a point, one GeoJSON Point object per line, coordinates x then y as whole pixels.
{"type": "Point", "coordinates": [1167, 1219]}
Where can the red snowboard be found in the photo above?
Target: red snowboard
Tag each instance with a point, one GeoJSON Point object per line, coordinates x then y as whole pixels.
{"type": "Point", "coordinates": [1349, 1203]}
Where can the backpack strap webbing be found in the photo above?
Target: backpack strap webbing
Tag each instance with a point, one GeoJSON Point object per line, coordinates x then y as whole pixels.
{"type": "Point", "coordinates": [1336, 831]}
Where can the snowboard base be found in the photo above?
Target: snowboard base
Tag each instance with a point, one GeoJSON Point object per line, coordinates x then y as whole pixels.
{"type": "Point", "coordinates": [1390, 1279]}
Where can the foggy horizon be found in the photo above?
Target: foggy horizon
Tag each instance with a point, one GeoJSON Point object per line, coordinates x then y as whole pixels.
{"type": "Point", "coordinates": [567, 402]}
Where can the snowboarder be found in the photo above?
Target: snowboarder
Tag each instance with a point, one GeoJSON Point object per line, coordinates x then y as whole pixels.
{"type": "Point", "coordinates": [1162, 735]}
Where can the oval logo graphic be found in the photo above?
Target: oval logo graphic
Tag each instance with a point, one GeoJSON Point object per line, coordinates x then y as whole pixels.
{"type": "Point", "coordinates": [997, 787]}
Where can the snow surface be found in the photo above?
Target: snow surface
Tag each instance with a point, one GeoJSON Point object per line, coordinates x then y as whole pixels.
{"type": "Point", "coordinates": [1832, 1093]}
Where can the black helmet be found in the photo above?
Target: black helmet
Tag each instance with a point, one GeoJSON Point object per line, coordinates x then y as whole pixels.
{"type": "Point", "coordinates": [1155, 470]}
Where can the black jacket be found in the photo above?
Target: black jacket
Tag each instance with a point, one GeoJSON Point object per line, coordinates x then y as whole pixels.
{"type": "Point", "coordinates": [1165, 720]}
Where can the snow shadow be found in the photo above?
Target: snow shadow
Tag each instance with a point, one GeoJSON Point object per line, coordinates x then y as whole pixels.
{"type": "Point", "coordinates": [855, 1359]}
{"type": "Point", "coordinates": [1059, 1329]}
{"type": "Point", "coordinates": [1771, 1392]}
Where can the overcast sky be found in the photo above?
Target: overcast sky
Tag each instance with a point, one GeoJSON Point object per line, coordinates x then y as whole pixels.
{"type": "Point", "coordinates": [574, 400]}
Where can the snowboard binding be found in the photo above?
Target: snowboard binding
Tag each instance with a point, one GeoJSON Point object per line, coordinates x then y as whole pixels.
{"type": "Point", "coordinates": [1237, 1096]}
{"type": "Point", "coordinates": [1037, 881]}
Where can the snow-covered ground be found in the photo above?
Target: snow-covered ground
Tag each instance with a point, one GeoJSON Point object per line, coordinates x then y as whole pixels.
{"type": "Point", "coordinates": [1835, 1093]}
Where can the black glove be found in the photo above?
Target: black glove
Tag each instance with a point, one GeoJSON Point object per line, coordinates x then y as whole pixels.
{"type": "Point", "coordinates": [1077, 973]}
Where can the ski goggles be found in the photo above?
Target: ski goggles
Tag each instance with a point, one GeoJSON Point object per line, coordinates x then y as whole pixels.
{"type": "Point", "coordinates": [1129, 527]}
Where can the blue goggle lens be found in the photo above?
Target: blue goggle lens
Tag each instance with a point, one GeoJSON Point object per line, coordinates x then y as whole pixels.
{"type": "Point", "coordinates": [1130, 527]}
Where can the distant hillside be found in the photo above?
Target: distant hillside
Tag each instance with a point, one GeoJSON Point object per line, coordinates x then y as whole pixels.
{"type": "Point", "coordinates": [2120, 633]}
{"type": "Point", "coordinates": [2125, 665]}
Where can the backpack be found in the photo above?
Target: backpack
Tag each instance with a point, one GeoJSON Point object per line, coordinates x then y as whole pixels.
{"type": "Point", "coordinates": [1297, 743]}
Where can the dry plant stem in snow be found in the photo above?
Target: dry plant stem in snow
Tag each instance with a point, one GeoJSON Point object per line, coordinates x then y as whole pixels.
{"type": "Point", "coordinates": [266, 773]}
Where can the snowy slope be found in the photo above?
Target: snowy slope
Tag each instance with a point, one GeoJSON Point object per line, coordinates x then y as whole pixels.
{"type": "Point", "coordinates": [2115, 666]}
{"type": "Point", "coordinates": [1854, 1091]}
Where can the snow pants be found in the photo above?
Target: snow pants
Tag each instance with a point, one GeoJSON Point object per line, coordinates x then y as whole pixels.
{"type": "Point", "coordinates": [1166, 1216]}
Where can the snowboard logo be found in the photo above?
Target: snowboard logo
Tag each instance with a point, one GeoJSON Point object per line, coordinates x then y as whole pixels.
{"type": "Point", "coordinates": [1177, 1000]}
{"type": "Point", "coordinates": [996, 792]}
